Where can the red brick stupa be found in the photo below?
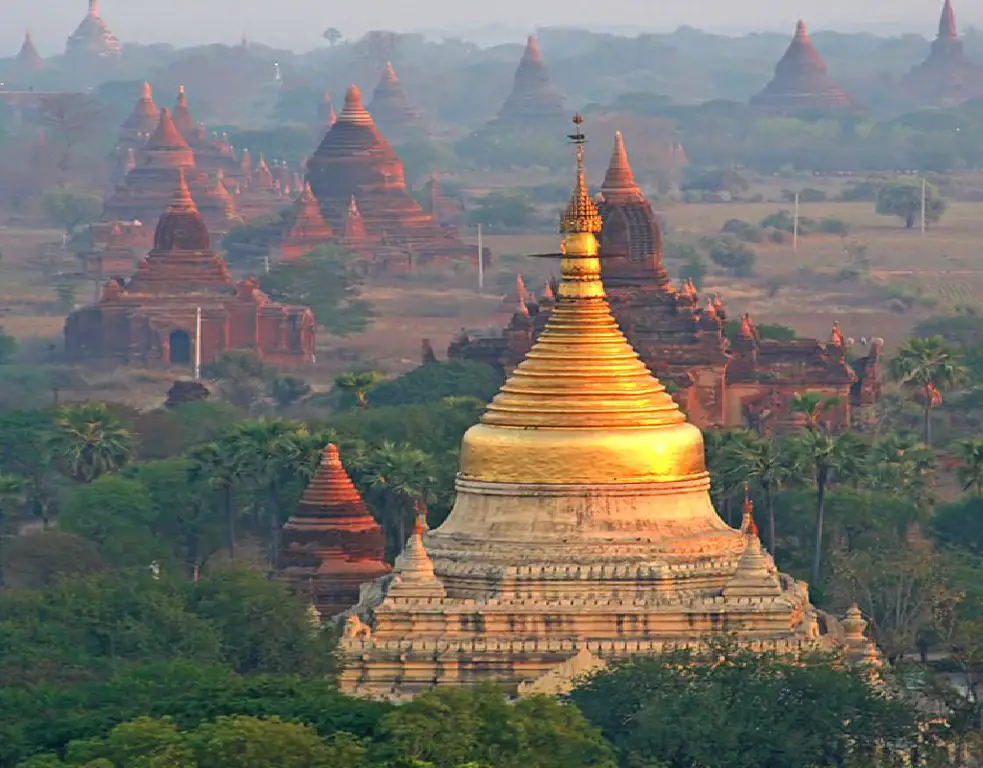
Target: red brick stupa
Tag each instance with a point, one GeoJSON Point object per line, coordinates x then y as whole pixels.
{"type": "Point", "coordinates": [801, 81]}
{"type": "Point", "coordinates": [152, 320]}
{"type": "Point", "coordinates": [142, 122]}
{"type": "Point", "coordinates": [355, 162]}
{"type": "Point", "coordinates": [307, 228]}
{"type": "Point", "coordinates": [391, 109]}
{"type": "Point", "coordinates": [533, 98]}
{"type": "Point", "coordinates": [946, 77]}
{"type": "Point", "coordinates": [145, 190]}
{"type": "Point", "coordinates": [93, 39]}
{"type": "Point", "coordinates": [332, 544]}
{"type": "Point", "coordinates": [28, 60]}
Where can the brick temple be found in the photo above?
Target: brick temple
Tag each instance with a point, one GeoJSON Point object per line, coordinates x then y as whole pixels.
{"type": "Point", "coordinates": [28, 61]}
{"type": "Point", "coordinates": [533, 99]}
{"type": "Point", "coordinates": [151, 319]}
{"type": "Point", "coordinates": [306, 228]}
{"type": "Point", "coordinates": [145, 190]}
{"type": "Point", "coordinates": [680, 336]}
{"type": "Point", "coordinates": [801, 81]}
{"type": "Point", "coordinates": [93, 38]}
{"type": "Point", "coordinates": [947, 77]}
{"type": "Point", "coordinates": [331, 544]}
{"type": "Point", "coordinates": [355, 162]}
{"type": "Point", "coordinates": [391, 109]}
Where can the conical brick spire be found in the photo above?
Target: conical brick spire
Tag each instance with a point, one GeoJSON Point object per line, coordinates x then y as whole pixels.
{"type": "Point", "coordinates": [182, 115]}
{"type": "Point", "coordinates": [181, 227]}
{"type": "Point", "coordinates": [307, 228]}
{"type": "Point", "coordinates": [28, 59]}
{"type": "Point", "coordinates": [332, 539]}
{"type": "Point", "coordinates": [92, 38]}
{"type": "Point", "coordinates": [166, 135]}
{"type": "Point", "coordinates": [947, 24]}
{"type": "Point", "coordinates": [390, 107]}
{"type": "Point", "coordinates": [533, 96]}
{"type": "Point", "coordinates": [801, 81]}
{"type": "Point", "coordinates": [619, 181]}
{"type": "Point", "coordinates": [142, 120]}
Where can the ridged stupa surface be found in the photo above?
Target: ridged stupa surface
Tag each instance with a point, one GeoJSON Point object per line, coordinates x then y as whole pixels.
{"type": "Point", "coordinates": [582, 530]}
{"type": "Point", "coordinates": [947, 77]}
{"type": "Point", "coordinates": [533, 99]}
{"type": "Point", "coordinates": [141, 122]}
{"type": "Point", "coordinates": [801, 81]}
{"type": "Point", "coordinates": [151, 319]}
{"type": "Point", "coordinates": [355, 161]}
{"type": "Point", "coordinates": [307, 228]}
{"type": "Point", "coordinates": [391, 109]}
{"type": "Point", "coordinates": [332, 544]}
{"type": "Point", "coordinates": [92, 38]}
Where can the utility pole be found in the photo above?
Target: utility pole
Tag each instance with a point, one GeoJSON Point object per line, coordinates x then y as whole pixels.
{"type": "Point", "coordinates": [481, 265]}
{"type": "Point", "coordinates": [266, 262]}
{"type": "Point", "coordinates": [198, 345]}
{"type": "Point", "coordinates": [924, 207]}
{"type": "Point", "coordinates": [795, 226]}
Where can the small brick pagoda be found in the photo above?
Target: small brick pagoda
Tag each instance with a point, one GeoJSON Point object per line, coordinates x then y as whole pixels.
{"type": "Point", "coordinates": [151, 320]}
{"type": "Point", "coordinates": [145, 190]}
{"type": "Point", "coordinates": [331, 544]}
{"type": "Point", "coordinates": [213, 153]}
{"type": "Point", "coordinates": [801, 81]}
{"type": "Point", "coordinates": [28, 61]}
{"type": "Point", "coordinates": [391, 110]}
{"type": "Point", "coordinates": [141, 123]}
{"type": "Point", "coordinates": [533, 100]}
{"type": "Point", "coordinates": [946, 77]}
{"type": "Point", "coordinates": [354, 161]}
{"type": "Point", "coordinates": [93, 39]}
{"type": "Point", "coordinates": [681, 338]}
{"type": "Point", "coordinates": [306, 228]}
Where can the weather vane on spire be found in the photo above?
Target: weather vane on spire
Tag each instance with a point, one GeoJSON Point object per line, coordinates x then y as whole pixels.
{"type": "Point", "coordinates": [578, 138]}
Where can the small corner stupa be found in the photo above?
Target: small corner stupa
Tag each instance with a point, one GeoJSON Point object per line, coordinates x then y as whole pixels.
{"type": "Point", "coordinates": [582, 526]}
{"type": "Point", "coordinates": [141, 122]}
{"type": "Point", "coordinates": [151, 319]}
{"type": "Point", "coordinates": [801, 81]}
{"type": "Point", "coordinates": [533, 100]}
{"type": "Point", "coordinates": [391, 109]}
{"type": "Point", "coordinates": [354, 161]}
{"type": "Point", "coordinates": [332, 544]}
{"type": "Point", "coordinates": [306, 228]}
{"type": "Point", "coordinates": [93, 38]}
{"type": "Point", "coordinates": [947, 77]}
{"type": "Point", "coordinates": [28, 61]}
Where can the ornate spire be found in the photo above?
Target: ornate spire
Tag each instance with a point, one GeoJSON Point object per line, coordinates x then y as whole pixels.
{"type": "Point", "coordinates": [389, 76]}
{"type": "Point", "coordinates": [181, 201]}
{"type": "Point", "coordinates": [148, 92]}
{"type": "Point", "coordinates": [414, 577]}
{"type": "Point", "coordinates": [548, 292]}
{"type": "Point", "coordinates": [354, 111]}
{"type": "Point", "coordinates": [182, 115]}
{"type": "Point", "coordinates": [580, 216]}
{"type": "Point", "coordinates": [532, 54]}
{"type": "Point", "coordinates": [748, 526]}
{"type": "Point", "coordinates": [947, 24]}
{"type": "Point", "coordinates": [619, 181]}
{"type": "Point", "coordinates": [181, 227]}
{"type": "Point", "coordinates": [28, 59]}
{"type": "Point", "coordinates": [93, 7]}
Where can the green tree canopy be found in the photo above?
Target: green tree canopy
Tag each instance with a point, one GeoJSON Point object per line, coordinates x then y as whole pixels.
{"type": "Point", "coordinates": [903, 198]}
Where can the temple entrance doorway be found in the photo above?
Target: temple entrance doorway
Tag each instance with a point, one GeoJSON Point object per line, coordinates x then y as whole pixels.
{"type": "Point", "coordinates": [180, 348]}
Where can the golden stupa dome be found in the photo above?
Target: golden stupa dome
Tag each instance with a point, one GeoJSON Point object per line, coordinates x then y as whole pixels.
{"type": "Point", "coordinates": [582, 408]}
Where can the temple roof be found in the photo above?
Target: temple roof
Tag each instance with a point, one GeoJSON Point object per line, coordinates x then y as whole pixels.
{"type": "Point", "coordinates": [947, 23]}
{"type": "Point", "coordinates": [619, 181]}
{"type": "Point", "coordinates": [390, 107]}
{"type": "Point", "coordinates": [801, 81]}
{"type": "Point", "coordinates": [331, 493]}
{"type": "Point", "coordinates": [181, 227]}
{"type": "Point", "coordinates": [946, 77]}
{"type": "Point", "coordinates": [144, 117]}
{"type": "Point", "coordinates": [183, 120]}
{"type": "Point", "coordinates": [167, 136]}
{"type": "Point", "coordinates": [28, 59]}
{"type": "Point", "coordinates": [533, 95]}
{"type": "Point", "coordinates": [93, 37]}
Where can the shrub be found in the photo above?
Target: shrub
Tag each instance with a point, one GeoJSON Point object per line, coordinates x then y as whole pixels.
{"type": "Point", "coordinates": [830, 225]}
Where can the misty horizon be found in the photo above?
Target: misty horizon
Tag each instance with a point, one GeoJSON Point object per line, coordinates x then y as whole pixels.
{"type": "Point", "coordinates": [297, 24]}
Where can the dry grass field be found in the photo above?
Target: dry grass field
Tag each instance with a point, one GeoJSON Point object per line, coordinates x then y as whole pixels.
{"type": "Point", "coordinates": [943, 270]}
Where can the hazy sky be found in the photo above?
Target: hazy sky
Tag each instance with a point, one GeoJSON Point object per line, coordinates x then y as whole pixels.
{"type": "Point", "coordinates": [297, 24]}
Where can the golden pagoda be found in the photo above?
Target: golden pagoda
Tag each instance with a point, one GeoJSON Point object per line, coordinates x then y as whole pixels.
{"type": "Point", "coordinates": [582, 530]}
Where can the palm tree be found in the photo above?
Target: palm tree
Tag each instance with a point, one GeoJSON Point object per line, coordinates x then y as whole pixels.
{"type": "Point", "coordinates": [768, 466]}
{"type": "Point", "coordinates": [400, 476]}
{"type": "Point", "coordinates": [726, 475]}
{"type": "Point", "coordinates": [216, 464]}
{"type": "Point", "coordinates": [812, 406]}
{"type": "Point", "coordinates": [926, 368]}
{"type": "Point", "coordinates": [272, 453]}
{"type": "Point", "coordinates": [359, 384]}
{"type": "Point", "coordinates": [11, 496]}
{"type": "Point", "coordinates": [970, 471]}
{"type": "Point", "coordinates": [89, 442]}
{"type": "Point", "coordinates": [901, 465]}
{"type": "Point", "coordinates": [828, 458]}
